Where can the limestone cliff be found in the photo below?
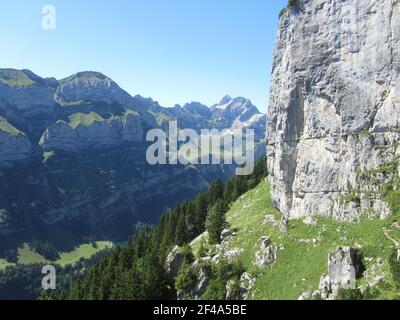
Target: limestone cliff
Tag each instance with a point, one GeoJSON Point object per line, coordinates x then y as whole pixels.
{"type": "Point", "coordinates": [334, 106]}
{"type": "Point", "coordinates": [14, 145]}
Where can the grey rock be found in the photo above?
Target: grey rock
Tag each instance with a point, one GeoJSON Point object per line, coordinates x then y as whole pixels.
{"type": "Point", "coordinates": [90, 86]}
{"type": "Point", "coordinates": [284, 225]}
{"type": "Point", "coordinates": [310, 221]}
{"type": "Point", "coordinates": [203, 280]}
{"type": "Point", "coordinates": [269, 219]}
{"type": "Point", "coordinates": [98, 135]}
{"type": "Point", "coordinates": [13, 146]}
{"type": "Point", "coordinates": [174, 262]}
{"type": "Point", "coordinates": [334, 98]}
{"type": "Point", "coordinates": [266, 255]}
{"type": "Point", "coordinates": [29, 99]}
{"type": "Point", "coordinates": [226, 233]}
{"type": "Point", "coordinates": [203, 270]}
{"type": "Point", "coordinates": [247, 282]}
{"type": "Point", "coordinates": [344, 267]}
{"type": "Point", "coordinates": [232, 291]}
{"type": "Point", "coordinates": [325, 289]}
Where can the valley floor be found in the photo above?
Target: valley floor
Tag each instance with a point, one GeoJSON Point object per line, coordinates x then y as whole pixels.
{"type": "Point", "coordinates": [28, 256]}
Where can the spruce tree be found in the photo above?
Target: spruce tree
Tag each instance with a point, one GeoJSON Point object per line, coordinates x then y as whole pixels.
{"type": "Point", "coordinates": [216, 222]}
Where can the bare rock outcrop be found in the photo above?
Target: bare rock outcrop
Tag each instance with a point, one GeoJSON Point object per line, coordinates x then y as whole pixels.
{"type": "Point", "coordinates": [14, 144]}
{"type": "Point", "coordinates": [174, 262]}
{"type": "Point", "coordinates": [266, 254]}
{"type": "Point", "coordinates": [344, 267]}
{"type": "Point", "coordinates": [334, 106]}
{"type": "Point", "coordinates": [98, 134]}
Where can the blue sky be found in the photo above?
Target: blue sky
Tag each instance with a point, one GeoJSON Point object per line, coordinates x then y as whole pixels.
{"type": "Point", "coordinates": [175, 51]}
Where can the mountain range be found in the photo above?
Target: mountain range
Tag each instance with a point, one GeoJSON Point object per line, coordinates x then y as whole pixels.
{"type": "Point", "coordinates": [72, 155]}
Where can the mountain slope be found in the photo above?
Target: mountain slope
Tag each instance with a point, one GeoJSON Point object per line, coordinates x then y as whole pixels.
{"type": "Point", "coordinates": [73, 158]}
{"type": "Point", "coordinates": [302, 251]}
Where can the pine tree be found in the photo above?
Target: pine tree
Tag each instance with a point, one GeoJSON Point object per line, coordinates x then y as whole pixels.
{"type": "Point", "coordinates": [181, 228]}
{"type": "Point", "coordinates": [216, 192]}
{"type": "Point", "coordinates": [201, 207]}
{"type": "Point", "coordinates": [216, 221]}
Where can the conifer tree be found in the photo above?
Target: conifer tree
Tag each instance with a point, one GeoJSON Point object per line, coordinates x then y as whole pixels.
{"type": "Point", "coordinates": [216, 222]}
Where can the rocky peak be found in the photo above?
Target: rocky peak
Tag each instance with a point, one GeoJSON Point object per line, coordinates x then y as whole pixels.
{"type": "Point", "coordinates": [26, 91]}
{"type": "Point", "coordinates": [198, 108]}
{"type": "Point", "coordinates": [90, 86]}
{"type": "Point", "coordinates": [239, 108]}
{"type": "Point", "coordinates": [18, 78]}
{"type": "Point", "coordinates": [225, 100]}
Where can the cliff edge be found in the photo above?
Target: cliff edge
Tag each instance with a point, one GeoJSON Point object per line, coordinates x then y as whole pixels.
{"type": "Point", "coordinates": [334, 108]}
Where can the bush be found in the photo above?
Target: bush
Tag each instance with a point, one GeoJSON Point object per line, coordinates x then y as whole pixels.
{"type": "Point", "coordinates": [4, 217]}
{"type": "Point", "coordinates": [349, 294]}
{"type": "Point", "coordinates": [187, 253]}
{"type": "Point", "coordinates": [283, 11]}
{"type": "Point", "coordinates": [293, 3]}
{"type": "Point", "coordinates": [222, 272]}
{"type": "Point", "coordinates": [203, 249]}
{"type": "Point", "coordinates": [186, 281]}
{"type": "Point", "coordinates": [395, 268]}
{"type": "Point", "coordinates": [216, 222]}
{"type": "Point", "coordinates": [44, 248]}
{"type": "Point", "coordinates": [11, 255]}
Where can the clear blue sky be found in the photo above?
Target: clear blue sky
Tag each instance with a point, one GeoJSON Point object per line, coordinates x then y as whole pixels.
{"type": "Point", "coordinates": [175, 51]}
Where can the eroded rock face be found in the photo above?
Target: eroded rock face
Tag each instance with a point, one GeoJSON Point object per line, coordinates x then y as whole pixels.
{"type": "Point", "coordinates": [344, 267]}
{"type": "Point", "coordinates": [174, 262]}
{"type": "Point", "coordinates": [14, 147]}
{"type": "Point", "coordinates": [90, 86]}
{"type": "Point", "coordinates": [100, 134]}
{"type": "Point", "coordinates": [27, 92]}
{"type": "Point", "coordinates": [334, 102]}
{"type": "Point", "coordinates": [266, 255]}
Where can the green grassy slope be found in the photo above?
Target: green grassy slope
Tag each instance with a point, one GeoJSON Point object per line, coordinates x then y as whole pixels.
{"type": "Point", "coordinates": [84, 119]}
{"type": "Point", "coordinates": [300, 264]}
{"type": "Point", "coordinates": [15, 78]}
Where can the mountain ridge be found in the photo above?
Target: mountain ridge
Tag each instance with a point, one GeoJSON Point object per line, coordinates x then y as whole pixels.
{"type": "Point", "coordinates": [81, 142]}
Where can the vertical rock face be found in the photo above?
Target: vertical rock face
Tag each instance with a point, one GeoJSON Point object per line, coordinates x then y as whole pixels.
{"type": "Point", "coordinates": [334, 106]}
{"type": "Point", "coordinates": [14, 147]}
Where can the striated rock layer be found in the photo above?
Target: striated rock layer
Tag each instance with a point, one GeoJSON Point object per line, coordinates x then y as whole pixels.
{"type": "Point", "coordinates": [334, 107]}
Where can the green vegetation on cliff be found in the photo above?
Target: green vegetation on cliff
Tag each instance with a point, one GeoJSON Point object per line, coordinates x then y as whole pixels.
{"type": "Point", "coordinates": [8, 128]}
{"type": "Point", "coordinates": [15, 78]}
{"type": "Point", "coordinates": [84, 119]}
{"type": "Point", "coordinates": [304, 255]}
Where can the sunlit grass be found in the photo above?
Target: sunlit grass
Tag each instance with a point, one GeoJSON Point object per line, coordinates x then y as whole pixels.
{"type": "Point", "coordinates": [300, 265]}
